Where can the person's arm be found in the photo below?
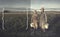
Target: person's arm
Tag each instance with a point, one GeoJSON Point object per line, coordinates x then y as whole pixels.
{"type": "Point", "coordinates": [31, 19]}
{"type": "Point", "coordinates": [45, 18]}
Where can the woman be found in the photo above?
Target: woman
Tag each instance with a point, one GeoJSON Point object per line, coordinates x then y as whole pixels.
{"type": "Point", "coordinates": [34, 20]}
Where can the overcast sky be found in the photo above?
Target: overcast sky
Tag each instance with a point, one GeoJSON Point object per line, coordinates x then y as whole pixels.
{"type": "Point", "coordinates": [30, 3]}
{"type": "Point", "coordinates": [15, 3]}
{"type": "Point", "coordinates": [46, 3]}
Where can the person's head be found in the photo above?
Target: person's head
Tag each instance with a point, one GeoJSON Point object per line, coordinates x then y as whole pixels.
{"type": "Point", "coordinates": [35, 11]}
{"type": "Point", "coordinates": [42, 9]}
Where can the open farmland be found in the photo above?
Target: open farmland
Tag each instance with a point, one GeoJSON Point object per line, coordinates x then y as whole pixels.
{"type": "Point", "coordinates": [15, 25]}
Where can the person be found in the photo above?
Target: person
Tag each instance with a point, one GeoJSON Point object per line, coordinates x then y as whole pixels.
{"type": "Point", "coordinates": [43, 20]}
{"type": "Point", "coordinates": [34, 22]}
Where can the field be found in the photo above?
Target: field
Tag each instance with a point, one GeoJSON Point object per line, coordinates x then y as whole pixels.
{"type": "Point", "coordinates": [15, 25]}
{"type": "Point", "coordinates": [0, 21]}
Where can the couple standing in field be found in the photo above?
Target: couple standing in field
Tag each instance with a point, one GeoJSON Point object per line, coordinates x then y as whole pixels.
{"type": "Point", "coordinates": [42, 20]}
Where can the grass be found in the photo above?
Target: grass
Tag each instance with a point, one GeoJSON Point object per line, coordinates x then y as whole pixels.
{"type": "Point", "coordinates": [15, 26]}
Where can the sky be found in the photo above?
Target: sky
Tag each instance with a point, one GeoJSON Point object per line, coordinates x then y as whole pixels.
{"type": "Point", "coordinates": [35, 4]}
{"type": "Point", "coordinates": [15, 3]}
